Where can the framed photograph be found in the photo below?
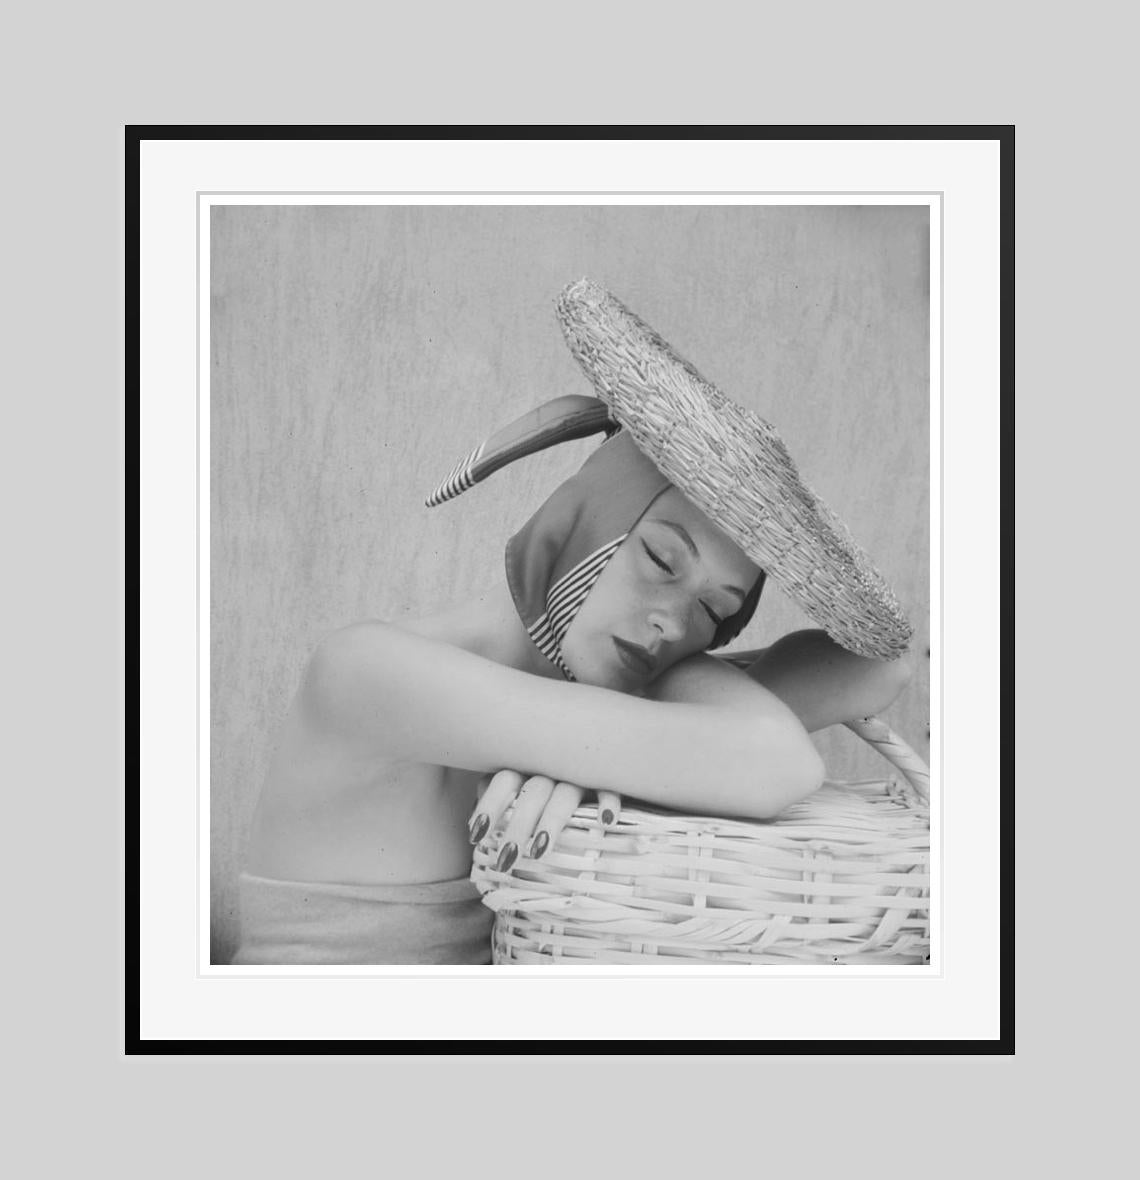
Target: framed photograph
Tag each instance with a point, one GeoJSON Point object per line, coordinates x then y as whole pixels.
{"type": "Point", "coordinates": [380, 372]}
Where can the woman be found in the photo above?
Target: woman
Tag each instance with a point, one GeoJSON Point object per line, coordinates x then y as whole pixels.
{"type": "Point", "coordinates": [585, 668]}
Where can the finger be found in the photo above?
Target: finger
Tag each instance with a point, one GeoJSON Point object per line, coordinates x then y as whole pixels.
{"type": "Point", "coordinates": [564, 801]}
{"type": "Point", "coordinates": [609, 807]}
{"type": "Point", "coordinates": [474, 823]}
{"type": "Point", "coordinates": [500, 791]}
{"type": "Point", "coordinates": [529, 805]}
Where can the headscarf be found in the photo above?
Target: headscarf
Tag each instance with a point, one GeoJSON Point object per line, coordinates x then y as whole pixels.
{"type": "Point", "coordinates": [555, 559]}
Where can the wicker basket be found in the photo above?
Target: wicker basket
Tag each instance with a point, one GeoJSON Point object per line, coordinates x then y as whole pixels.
{"type": "Point", "coordinates": [841, 877]}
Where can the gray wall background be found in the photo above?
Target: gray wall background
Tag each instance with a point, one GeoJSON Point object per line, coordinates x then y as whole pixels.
{"type": "Point", "coordinates": [358, 352]}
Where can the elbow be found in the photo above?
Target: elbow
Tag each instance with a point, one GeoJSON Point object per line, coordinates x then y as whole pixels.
{"type": "Point", "coordinates": [812, 772]}
{"type": "Point", "coordinates": [805, 776]}
{"type": "Point", "coordinates": [889, 680]}
{"type": "Point", "coordinates": [801, 773]}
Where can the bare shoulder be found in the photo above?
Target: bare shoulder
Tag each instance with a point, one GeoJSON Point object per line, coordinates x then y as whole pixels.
{"type": "Point", "coordinates": [343, 650]}
{"type": "Point", "coordinates": [357, 662]}
{"type": "Point", "coordinates": [381, 683]}
{"type": "Point", "coordinates": [339, 653]}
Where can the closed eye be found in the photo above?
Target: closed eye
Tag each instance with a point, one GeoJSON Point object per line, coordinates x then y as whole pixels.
{"type": "Point", "coordinates": [713, 616]}
{"type": "Point", "coordinates": [655, 559]}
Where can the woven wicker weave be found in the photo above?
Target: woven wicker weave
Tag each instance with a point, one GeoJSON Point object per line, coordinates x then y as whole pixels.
{"type": "Point", "coordinates": [841, 877]}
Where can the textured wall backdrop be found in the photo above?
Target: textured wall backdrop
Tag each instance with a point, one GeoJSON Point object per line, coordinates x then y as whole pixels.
{"type": "Point", "coordinates": [358, 352]}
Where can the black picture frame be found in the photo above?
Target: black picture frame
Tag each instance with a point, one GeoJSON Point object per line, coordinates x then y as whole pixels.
{"type": "Point", "coordinates": [135, 136]}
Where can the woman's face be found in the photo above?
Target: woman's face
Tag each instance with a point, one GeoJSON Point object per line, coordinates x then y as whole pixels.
{"type": "Point", "coordinates": [659, 599]}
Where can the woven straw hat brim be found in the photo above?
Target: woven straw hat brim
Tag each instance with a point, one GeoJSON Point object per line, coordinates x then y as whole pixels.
{"type": "Point", "coordinates": [732, 465]}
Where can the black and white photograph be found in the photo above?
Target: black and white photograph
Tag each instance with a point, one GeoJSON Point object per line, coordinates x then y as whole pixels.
{"type": "Point", "coordinates": [566, 576]}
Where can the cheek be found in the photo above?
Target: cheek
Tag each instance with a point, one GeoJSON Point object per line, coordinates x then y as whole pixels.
{"type": "Point", "coordinates": [613, 596]}
{"type": "Point", "coordinates": [597, 615]}
{"type": "Point", "coordinates": [609, 609]}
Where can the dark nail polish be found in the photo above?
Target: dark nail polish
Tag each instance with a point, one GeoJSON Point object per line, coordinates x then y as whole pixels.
{"type": "Point", "coordinates": [507, 857]}
{"type": "Point", "coordinates": [478, 827]}
{"type": "Point", "coordinates": [539, 845]}
{"type": "Point", "coordinates": [607, 816]}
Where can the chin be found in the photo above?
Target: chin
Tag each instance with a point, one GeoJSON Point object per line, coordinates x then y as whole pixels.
{"type": "Point", "coordinates": [597, 673]}
{"type": "Point", "coordinates": [596, 678]}
{"type": "Point", "coordinates": [617, 678]}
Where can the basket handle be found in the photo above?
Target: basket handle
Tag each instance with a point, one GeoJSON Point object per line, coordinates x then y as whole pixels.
{"type": "Point", "coordinates": [876, 732]}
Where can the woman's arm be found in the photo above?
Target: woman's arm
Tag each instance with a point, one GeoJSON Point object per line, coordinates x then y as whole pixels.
{"type": "Point", "coordinates": [706, 744]}
{"type": "Point", "coordinates": [821, 682]}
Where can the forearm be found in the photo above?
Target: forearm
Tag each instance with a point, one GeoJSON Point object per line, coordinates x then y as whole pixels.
{"type": "Point", "coordinates": [706, 740]}
{"type": "Point", "coordinates": [783, 764]}
{"type": "Point", "coordinates": [387, 694]}
{"type": "Point", "coordinates": [823, 683]}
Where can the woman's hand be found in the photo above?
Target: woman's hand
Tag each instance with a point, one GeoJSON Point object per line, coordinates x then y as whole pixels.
{"type": "Point", "coordinates": [542, 809]}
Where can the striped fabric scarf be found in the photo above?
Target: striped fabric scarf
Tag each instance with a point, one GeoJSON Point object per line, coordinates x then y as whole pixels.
{"type": "Point", "coordinates": [555, 559]}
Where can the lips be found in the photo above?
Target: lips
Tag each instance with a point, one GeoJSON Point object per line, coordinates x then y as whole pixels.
{"type": "Point", "coordinates": [636, 658]}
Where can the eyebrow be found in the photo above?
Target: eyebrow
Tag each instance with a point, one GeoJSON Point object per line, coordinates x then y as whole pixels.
{"type": "Point", "coordinates": [690, 544]}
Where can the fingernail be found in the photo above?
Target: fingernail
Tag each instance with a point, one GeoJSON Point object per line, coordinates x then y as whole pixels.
{"type": "Point", "coordinates": [607, 816]}
{"type": "Point", "coordinates": [507, 857]}
{"type": "Point", "coordinates": [539, 845]}
{"type": "Point", "coordinates": [478, 827]}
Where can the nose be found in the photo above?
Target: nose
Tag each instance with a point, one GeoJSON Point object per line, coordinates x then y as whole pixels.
{"type": "Point", "coordinates": [665, 617]}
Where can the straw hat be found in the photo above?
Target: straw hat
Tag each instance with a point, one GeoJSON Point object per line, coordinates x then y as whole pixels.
{"type": "Point", "coordinates": [726, 459]}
